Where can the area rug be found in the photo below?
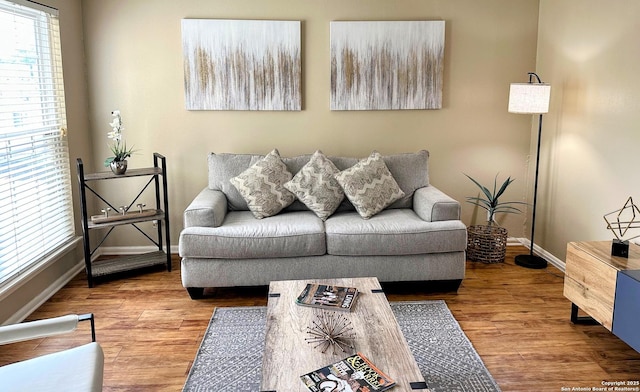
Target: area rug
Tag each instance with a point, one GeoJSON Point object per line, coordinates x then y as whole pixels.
{"type": "Point", "coordinates": [230, 355]}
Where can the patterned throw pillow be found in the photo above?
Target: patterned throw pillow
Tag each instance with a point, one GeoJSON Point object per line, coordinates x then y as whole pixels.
{"type": "Point", "coordinates": [315, 186]}
{"type": "Point", "coordinates": [262, 188]}
{"type": "Point", "coordinates": [369, 185]}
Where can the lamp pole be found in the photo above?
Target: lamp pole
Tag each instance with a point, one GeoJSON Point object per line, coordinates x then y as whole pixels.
{"type": "Point", "coordinates": [531, 260]}
{"type": "Point", "coordinates": [531, 98]}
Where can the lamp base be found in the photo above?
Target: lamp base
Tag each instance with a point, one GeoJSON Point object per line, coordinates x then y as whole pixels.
{"type": "Point", "coordinates": [531, 261]}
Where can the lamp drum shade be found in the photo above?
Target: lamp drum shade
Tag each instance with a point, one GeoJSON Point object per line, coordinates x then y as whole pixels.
{"type": "Point", "coordinates": [529, 98]}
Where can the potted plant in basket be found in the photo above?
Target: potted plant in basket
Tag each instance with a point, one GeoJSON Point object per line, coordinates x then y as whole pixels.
{"type": "Point", "coordinates": [488, 243]}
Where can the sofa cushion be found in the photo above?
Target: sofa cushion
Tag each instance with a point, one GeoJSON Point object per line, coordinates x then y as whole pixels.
{"type": "Point", "coordinates": [315, 186]}
{"type": "Point", "coordinates": [410, 170]}
{"type": "Point", "coordinates": [241, 236]}
{"type": "Point", "coordinates": [222, 168]}
{"type": "Point", "coordinates": [262, 186]}
{"type": "Point", "coordinates": [369, 185]}
{"type": "Point", "coordinates": [392, 232]}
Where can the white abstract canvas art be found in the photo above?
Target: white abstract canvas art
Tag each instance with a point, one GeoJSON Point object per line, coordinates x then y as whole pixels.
{"type": "Point", "coordinates": [387, 65]}
{"type": "Point", "coordinates": [241, 64]}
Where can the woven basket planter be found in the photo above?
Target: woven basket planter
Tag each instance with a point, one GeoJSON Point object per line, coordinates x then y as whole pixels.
{"type": "Point", "coordinates": [487, 244]}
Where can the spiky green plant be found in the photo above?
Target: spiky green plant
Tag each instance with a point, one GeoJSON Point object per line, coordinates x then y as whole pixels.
{"type": "Point", "coordinates": [491, 202]}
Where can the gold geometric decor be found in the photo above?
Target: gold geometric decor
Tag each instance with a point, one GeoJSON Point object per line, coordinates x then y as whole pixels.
{"type": "Point", "coordinates": [620, 222]}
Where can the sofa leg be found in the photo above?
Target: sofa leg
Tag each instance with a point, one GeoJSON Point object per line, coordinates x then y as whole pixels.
{"type": "Point", "coordinates": [196, 292]}
{"type": "Point", "coordinates": [443, 286]}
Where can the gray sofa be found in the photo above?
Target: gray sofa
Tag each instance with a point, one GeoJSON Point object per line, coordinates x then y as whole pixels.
{"type": "Point", "coordinates": [418, 238]}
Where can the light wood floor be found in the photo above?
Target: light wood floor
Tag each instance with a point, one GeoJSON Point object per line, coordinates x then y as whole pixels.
{"type": "Point", "coordinates": [517, 319]}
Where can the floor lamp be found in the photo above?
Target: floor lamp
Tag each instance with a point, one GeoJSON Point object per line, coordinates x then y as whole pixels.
{"type": "Point", "coordinates": [531, 98]}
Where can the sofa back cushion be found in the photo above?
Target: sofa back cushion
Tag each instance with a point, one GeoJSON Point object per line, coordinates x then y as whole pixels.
{"type": "Point", "coordinates": [222, 168]}
{"type": "Point", "coordinates": [410, 170]}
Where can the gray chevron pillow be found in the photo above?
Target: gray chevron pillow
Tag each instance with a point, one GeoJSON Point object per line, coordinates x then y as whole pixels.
{"type": "Point", "coordinates": [315, 186]}
{"type": "Point", "coordinates": [369, 185]}
{"type": "Point", "coordinates": [262, 186]}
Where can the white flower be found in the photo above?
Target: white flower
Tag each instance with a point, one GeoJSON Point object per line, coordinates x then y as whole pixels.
{"type": "Point", "coordinates": [119, 150]}
{"type": "Point", "coordinates": [116, 124]}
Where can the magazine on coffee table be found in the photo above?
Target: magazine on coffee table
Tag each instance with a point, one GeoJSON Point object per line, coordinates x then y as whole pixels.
{"type": "Point", "coordinates": [354, 373]}
{"type": "Point", "coordinates": [328, 297]}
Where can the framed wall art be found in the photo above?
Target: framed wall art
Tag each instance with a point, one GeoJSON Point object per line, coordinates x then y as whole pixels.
{"type": "Point", "coordinates": [386, 65]}
{"type": "Point", "coordinates": [241, 64]}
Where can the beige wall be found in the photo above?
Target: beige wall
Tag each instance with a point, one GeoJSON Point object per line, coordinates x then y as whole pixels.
{"type": "Point", "coordinates": [134, 61]}
{"type": "Point", "coordinates": [588, 51]}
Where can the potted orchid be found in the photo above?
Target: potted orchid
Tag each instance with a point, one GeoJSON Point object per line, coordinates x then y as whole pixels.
{"type": "Point", "coordinates": [118, 162]}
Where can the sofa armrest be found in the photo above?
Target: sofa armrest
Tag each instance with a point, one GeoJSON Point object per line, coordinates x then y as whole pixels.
{"type": "Point", "coordinates": [432, 205]}
{"type": "Point", "coordinates": [208, 209]}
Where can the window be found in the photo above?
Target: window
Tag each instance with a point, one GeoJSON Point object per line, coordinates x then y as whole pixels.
{"type": "Point", "coordinates": [36, 214]}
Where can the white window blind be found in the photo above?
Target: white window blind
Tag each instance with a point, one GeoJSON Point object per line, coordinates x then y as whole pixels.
{"type": "Point", "coordinates": [36, 215]}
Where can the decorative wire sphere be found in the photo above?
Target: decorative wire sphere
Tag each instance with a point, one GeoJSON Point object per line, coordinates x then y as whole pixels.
{"type": "Point", "coordinates": [331, 330]}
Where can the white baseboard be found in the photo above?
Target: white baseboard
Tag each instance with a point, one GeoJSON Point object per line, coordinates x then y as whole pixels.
{"type": "Point", "coordinates": [44, 295]}
{"type": "Point", "coordinates": [556, 262]}
{"type": "Point", "coordinates": [512, 241]}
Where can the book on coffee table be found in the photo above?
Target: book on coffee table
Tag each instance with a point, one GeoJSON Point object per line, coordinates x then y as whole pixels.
{"type": "Point", "coordinates": [328, 297]}
{"type": "Point", "coordinates": [354, 373]}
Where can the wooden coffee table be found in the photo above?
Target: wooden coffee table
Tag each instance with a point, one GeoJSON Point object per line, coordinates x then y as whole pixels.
{"type": "Point", "coordinates": [287, 355]}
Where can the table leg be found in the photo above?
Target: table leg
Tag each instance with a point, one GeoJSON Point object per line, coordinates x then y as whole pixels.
{"type": "Point", "coordinates": [582, 320]}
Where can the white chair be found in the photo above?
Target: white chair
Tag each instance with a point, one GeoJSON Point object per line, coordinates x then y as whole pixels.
{"type": "Point", "coordinates": [77, 369]}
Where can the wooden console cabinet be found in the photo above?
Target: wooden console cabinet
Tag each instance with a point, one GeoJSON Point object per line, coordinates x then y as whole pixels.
{"type": "Point", "coordinates": [590, 282]}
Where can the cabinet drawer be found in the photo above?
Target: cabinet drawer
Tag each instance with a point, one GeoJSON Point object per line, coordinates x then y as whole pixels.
{"type": "Point", "coordinates": [590, 284]}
